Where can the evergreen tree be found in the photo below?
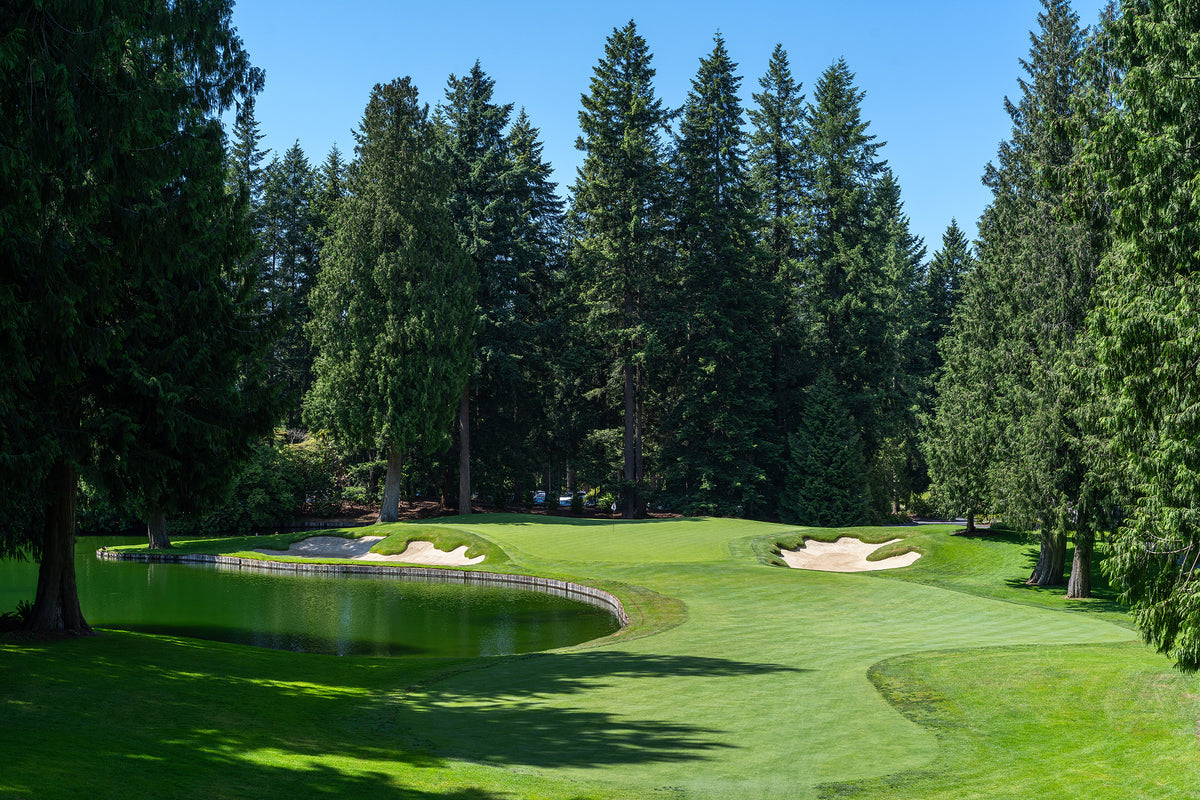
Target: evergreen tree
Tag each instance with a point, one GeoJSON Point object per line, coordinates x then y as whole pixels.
{"type": "Point", "coordinates": [330, 180]}
{"type": "Point", "coordinates": [777, 159]}
{"type": "Point", "coordinates": [537, 248]}
{"type": "Point", "coordinates": [119, 231]}
{"type": "Point", "coordinates": [898, 469]}
{"type": "Point", "coordinates": [943, 289]}
{"type": "Point", "coordinates": [289, 247]}
{"type": "Point", "coordinates": [718, 400]}
{"type": "Point", "coordinates": [1146, 158]}
{"type": "Point", "coordinates": [487, 205]}
{"type": "Point", "coordinates": [618, 227]}
{"type": "Point", "coordinates": [1044, 266]}
{"type": "Point", "coordinates": [392, 308]}
{"type": "Point", "coordinates": [778, 163]}
{"type": "Point", "coordinates": [245, 156]}
{"type": "Point", "coordinates": [827, 472]}
{"type": "Point", "coordinates": [844, 292]}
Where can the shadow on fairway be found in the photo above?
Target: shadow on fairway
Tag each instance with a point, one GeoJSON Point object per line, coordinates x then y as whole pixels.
{"type": "Point", "coordinates": [507, 713]}
{"type": "Point", "coordinates": [158, 716]}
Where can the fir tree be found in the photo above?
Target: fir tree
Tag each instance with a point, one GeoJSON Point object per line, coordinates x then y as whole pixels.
{"type": "Point", "coordinates": [943, 289]}
{"type": "Point", "coordinates": [289, 247]}
{"type": "Point", "coordinates": [487, 207]}
{"type": "Point", "coordinates": [827, 472]}
{"type": "Point", "coordinates": [718, 400]}
{"type": "Point", "coordinates": [618, 228]}
{"type": "Point", "coordinates": [392, 309]}
{"type": "Point", "coordinates": [844, 292]}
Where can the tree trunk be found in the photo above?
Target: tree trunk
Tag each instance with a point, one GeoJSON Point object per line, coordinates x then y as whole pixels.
{"type": "Point", "coordinates": [56, 605]}
{"type": "Point", "coordinates": [1052, 556]}
{"type": "Point", "coordinates": [629, 486]}
{"type": "Point", "coordinates": [970, 523]}
{"type": "Point", "coordinates": [1080, 584]}
{"type": "Point", "coordinates": [464, 451]}
{"type": "Point", "coordinates": [156, 529]}
{"type": "Point", "coordinates": [389, 507]}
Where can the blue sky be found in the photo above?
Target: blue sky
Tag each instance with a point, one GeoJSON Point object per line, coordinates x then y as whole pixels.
{"type": "Point", "coordinates": [935, 73]}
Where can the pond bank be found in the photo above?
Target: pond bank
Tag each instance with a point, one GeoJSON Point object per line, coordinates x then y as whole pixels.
{"type": "Point", "coordinates": [551, 586]}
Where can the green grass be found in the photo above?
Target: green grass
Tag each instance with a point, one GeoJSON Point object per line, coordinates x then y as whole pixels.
{"type": "Point", "coordinates": [445, 539]}
{"type": "Point", "coordinates": [736, 679]}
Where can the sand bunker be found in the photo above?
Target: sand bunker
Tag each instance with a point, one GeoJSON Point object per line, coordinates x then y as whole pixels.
{"type": "Point", "coordinates": [844, 555]}
{"type": "Point", "coordinates": [360, 550]}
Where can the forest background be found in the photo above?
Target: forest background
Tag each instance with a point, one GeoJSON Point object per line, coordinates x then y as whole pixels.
{"type": "Point", "coordinates": [728, 314]}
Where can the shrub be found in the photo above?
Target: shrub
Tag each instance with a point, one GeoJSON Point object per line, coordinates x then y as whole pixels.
{"type": "Point", "coordinates": [577, 504]}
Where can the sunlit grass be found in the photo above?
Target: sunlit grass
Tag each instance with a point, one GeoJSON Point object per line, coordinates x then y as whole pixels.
{"type": "Point", "coordinates": [736, 678]}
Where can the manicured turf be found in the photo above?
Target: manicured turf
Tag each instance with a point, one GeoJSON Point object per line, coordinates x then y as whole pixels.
{"type": "Point", "coordinates": [737, 679]}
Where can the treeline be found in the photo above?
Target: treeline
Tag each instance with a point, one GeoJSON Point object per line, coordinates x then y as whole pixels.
{"type": "Point", "coordinates": [728, 316]}
{"type": "Point", "coordinates": [1066, 400]}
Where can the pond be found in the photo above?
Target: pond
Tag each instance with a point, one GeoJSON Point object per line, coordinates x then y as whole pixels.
{"type": "Point", "coordinates": [332, 614]}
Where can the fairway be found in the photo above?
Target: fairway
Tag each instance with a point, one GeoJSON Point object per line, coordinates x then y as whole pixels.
{"type": "Point", "coordinates": [736, 679]}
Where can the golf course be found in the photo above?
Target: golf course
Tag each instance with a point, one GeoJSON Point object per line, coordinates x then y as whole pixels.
{"type": "Point", "coordinates": [737, 677]}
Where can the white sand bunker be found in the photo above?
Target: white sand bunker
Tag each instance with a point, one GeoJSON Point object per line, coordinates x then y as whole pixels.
{"type": "Point", "coordinates": [844, 555]}
{"type": "Point", "coordinates": [360, 550]}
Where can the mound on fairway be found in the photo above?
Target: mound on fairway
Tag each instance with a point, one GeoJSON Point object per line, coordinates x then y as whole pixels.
{"type": "Point", "coordinates": [844, 555]}
{"type": "Point", "coordinates": [360, 550]}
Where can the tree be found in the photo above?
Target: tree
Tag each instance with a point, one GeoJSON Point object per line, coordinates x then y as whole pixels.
{"type": "Point", "coordinates": [718, 398]}
{"type": "Point", "coordinates": [841, 288]}
{"type": "Point", "coordinates": [489, 202]}
{"type": "Point", "coordinates": [114, 149]}
{"type": "Point", "coordinates": [1028, 300]}
{"type": "Point", "coordinates": [393, 302]}
{"type": "Point", "coordinates": [1145, 155]}
{"type": "Point", "coordinates": [618, 226]}
{"type": "Point", "coordinates": [289, 245]}
{"type": "Point", "coordinates": [898, 470]}
{"type": "Point", "coordinates": [944, 285]}
{"type": "Point", "coordinates": [827, 472]}
{"type": "Point", "coordinates": [777, 157]}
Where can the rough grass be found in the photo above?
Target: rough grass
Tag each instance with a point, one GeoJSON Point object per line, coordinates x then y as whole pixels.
{"type": "Point", "coordinates": [736, 679]}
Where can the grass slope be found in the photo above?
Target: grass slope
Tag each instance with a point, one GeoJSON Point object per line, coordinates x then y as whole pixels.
{"type": "Point", "coordinates": [736, 679]}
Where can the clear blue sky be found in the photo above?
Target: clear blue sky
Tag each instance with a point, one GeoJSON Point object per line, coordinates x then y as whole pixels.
{"type": "Point", "coordinates": [935, 72]}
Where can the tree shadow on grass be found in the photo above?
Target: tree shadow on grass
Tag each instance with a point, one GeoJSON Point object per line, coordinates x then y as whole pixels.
{"type": "Point", "coordinates": [511, 712]}
{"type": "Point", "coordinates": [1103, 598]}
{"type": "Point", "coordinates": [124, 715]}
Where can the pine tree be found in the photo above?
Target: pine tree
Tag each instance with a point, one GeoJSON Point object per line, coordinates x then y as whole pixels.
{"type": "Point", "coordinates": [718, 401]}
{"type": "Point", "coordinates": [1044, 266]}
{"type": "Point", "coordinates": [120, 230]}
{"type": "Point", "coordinates": [392, 308]}
{"type": "Point", "coordinates": [1145, 156]}
{"type": "Point", "coordinates": [618, 227]}
{"type": "Point", "coordinates": [330, 189]}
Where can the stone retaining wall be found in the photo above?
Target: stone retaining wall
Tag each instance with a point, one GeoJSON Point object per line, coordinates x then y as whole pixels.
{"type": "Point", "coordinates": [571, 591]}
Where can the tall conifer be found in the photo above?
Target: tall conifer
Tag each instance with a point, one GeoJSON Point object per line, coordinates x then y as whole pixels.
{"type": "Point", "coordinates": [392, 309]}
{"type": "Point", "coordinates": [717, 401]}
{"type": "Point", "coordinates": [618, 220]}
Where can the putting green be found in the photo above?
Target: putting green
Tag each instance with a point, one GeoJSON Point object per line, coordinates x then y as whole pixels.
{"type": "Point", "coordinates": [737, 679]}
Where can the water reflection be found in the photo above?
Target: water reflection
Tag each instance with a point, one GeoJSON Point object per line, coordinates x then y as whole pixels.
{"type": "Point", "coordinates": [331, 614]}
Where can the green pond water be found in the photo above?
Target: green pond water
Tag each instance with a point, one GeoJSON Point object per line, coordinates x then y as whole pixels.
{"type": "Point", "coordinates": [338, 615]}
